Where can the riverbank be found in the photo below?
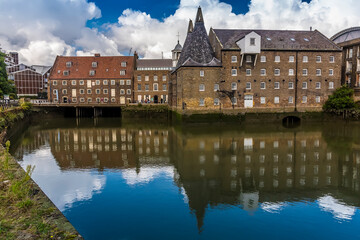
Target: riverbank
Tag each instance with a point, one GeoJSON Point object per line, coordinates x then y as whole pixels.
{"type": "Point", "coordinates": [25, 211]}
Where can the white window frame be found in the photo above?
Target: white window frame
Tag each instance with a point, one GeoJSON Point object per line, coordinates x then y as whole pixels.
{"type": "Point", "coordinates": [304, 99]}
{"type": "Point", "coordinates": [331, 72]}
{"type": "Point", "coordinates": [234, 72]}
{"type": "Point", "coordinates": [276, 85]}
{"type": "Point", "coordinates": [291, 85]}
{"type": "Point", "coordinates": [318, 85]}
{"type": "Point", "coordinates": [317, 99]}
{"type": "Point", "coordinates": [233, 59]}
{"type": "Point", "coordinates": [202, 73]}
{"type": "Point", "coordinates": [216, 102]}
{"type": "Point", "coordinates": [305, 59]}
{"type": "Point", "coordinates": [262, 59]}
{"type": "Point", "coordinates": [304, 85]}
{"type": "Point", "coordinates": [291, 59]}
{"type": "Point", "coordinates": [202, 87]}
{"type": "Point", "coordinates": [263, 72]}
{"type": "Point", "coordinates": [291, 72]}
{"type": "Point", "coordinates": [305, 72]}
{"type": "Point", "coordinates": [262, 85]}
{"type": "Point", "coordinates": [331, 85]}
{"type": "Point", "coordinates": [318, 72]}
{"type": "Point", "coordinates": [262, 100]}
{"type": "Point", "coordinates": [233, 86]}
{"type": "Point", "coordinates": [275, 70]}
{"type": "Point", "coordinates": [276, 100]}
{"type": "Point", "coordinates": [248, 72]}
{"type": "Point", "coordinates": [291, 99]}
{"type": "Point", "coordinates": [318, 59]}
{"type": "Point", "coordinates": [248, 85]}
{"type": "Point", "coordinates": [216, 87]}
{"type": "Point", "coordinates": [277, 59]}
{"type": "Point", "coordinates": [202, 102]}
{"type": "Point", "coordinates": [332, 59]}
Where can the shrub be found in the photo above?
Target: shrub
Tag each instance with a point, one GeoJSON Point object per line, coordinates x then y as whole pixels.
{"type": "Point", "coordinates": [26, 106]}
{"type": "Point", "coordinates": [341, 99]}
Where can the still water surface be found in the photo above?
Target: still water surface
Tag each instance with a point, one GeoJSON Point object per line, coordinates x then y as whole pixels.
{"type": "Point", "coordinates": [143, 180]}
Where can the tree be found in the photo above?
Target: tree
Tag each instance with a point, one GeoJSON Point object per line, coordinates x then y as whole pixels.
{"type": "Point", "coordinates": [341, 99]}
{"type": "Point", "coordinates": [6, 86]}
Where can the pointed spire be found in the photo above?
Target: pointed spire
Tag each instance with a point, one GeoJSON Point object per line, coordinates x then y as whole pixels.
{"type": "Point", "coordinates": [191, 26]}
{"type": "Point", "coordinates": [199, 16]}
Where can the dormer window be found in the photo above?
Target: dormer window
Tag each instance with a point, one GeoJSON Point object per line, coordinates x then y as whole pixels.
{"type": "Point", "coordinates": [68, 64]}
{"type": "Point", "coordinates": [123, 64]}
{"type": "Point", "coordinates": [252, 41]}
{"type": "Point", "coordinates": [122, 72]}
{"type": "Point", "coordinates": [92, 72]}
{"type": "Point", "coordinates": [66, 73]}
{"type": "Point", "coordinates": [94, 64]}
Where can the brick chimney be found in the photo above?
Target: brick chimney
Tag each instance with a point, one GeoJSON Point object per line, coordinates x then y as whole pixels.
{"type": "Point", "coordinates": [97, 54]}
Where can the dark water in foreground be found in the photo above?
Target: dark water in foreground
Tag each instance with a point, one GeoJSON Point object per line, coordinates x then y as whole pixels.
{"type": "Point", "coordinates": [141, 180]}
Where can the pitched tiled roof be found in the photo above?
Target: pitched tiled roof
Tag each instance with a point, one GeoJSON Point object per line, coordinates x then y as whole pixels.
{"type": "Point", "coordinates": [154, 63]}
{"type": "Point", "coordinates": [107, 67]}
{"type": "Point", "coordinates": [278, 39]}
{"type": "Point", "coordinates": [197, 49]}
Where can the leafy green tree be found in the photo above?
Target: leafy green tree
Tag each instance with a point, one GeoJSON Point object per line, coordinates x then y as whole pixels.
{"type": "Point", "coordinates": [341, 99]}
{"type": "Point", "coordinates": [6, 86]}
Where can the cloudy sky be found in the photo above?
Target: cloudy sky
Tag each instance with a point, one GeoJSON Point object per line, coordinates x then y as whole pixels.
{"type": "Point", "coordinates": [41, 29]}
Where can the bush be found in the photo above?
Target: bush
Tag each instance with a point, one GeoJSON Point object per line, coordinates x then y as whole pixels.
{"type": "Point", "coordinates": [341, 99]}
{"type": "Point", "coordinates": [26, 106]}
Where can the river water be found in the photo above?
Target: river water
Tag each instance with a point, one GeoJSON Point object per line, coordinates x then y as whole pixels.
{"type": "Point", "coordinates": [147, 180]}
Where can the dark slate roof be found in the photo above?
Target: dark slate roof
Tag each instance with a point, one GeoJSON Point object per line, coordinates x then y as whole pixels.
{"type": "Point", "coordinates": [154, 63]}
{"type": "Point", "coordinates": [197, 50]}
{"type": "Point", "coordinates": [278, 39]}
{"type": "Point", "coordinates": [346, 35]}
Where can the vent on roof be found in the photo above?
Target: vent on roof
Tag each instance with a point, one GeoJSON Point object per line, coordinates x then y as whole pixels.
{"type": "Point", "coordinates": [306, 39]}
{"type": "Point", "coordinates": [292, 39]}
{"type": "Point", "coordinates": [269, 39]}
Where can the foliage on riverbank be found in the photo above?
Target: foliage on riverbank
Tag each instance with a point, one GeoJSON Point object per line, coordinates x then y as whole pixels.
{"type": "Point", "coordinates": [25, 211]}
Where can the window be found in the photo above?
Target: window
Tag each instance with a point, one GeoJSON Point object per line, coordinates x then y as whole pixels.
{"type": "Point", "coordinates": [318, 85]}
{"type": "Point", "coordinates": [318, 72]}
{"type": "Point", "coordinates": [128, 91]}
{"type": "Point", "coordinates": [97, 82]}
{"type": "Point", "coordinates": [66, 73]}
{"type": "Point", "coordinates": [88, 91]}
{"type": "Point", "coordinates": [317, 99]}
{"type": "Point", "coordinates": [262, 100]}
{"type": "Point", "coordinates": [105, 91]}
{"type": "Point", "coordinates": [276, 85]}
{"type": "Point", "coordinates": [304, 72]}
{"type": "Point", "coordinates": [81, 82]}
{"type": "Point", "coordinates": [332, 59]}
{"type": "Point", "coordinates": [216, 87]}
{"type": "Point", "coordinates": [262, 85]}
{"type": "Point", "coordinates": [291, 59]}
{"type": "Point", "coordinates": [304, 85]}
{"type": "Point", "coordinates": [73, 82]}
{"type": "Point", "coordinates": [331, 72]}
{"type": "Point", "coordinates": [54, 83]}
{"type": "Point", "coordinates": [92, 72]}
{"type": "Point", "coordinates": [291, 85]}
{"type": "Point", "coordinates": [276, 100]}
{"type": "Point", "coordinates": [113, 100]}
{"type": "Point", "coordinates": [252, 41]}
{"type": "Point", "coordinates": [318, 59]}
{"type": "Point", "coordinates": [350, 53]}
{"type": "Point", "coordinates": [216, 102]}
{"type": "Point", "coordinates": [305, 59]}
{"type": "Point", "coordinates": [68, 64]}
{"type": "Point", "coordinates": [164, 77]}
{"type": "Point", "coordinates": [202, 73]}
{"type": "Point", "coordinates": [97, 91]}
{"type": "Point", "coordinates": [139, 87]}
{"type": "Point", "coordinates": [263, 59]}
{"type": "Point", "coordinates": [155, 78]}
{"type": "Point", "coordinates": [201, 102]}
{"type": "Point", "coordinates": [64, 83]}
{"type": "Point", "coordinates": [233, 101]}
{"type": "Point", "coordinates": [164, 87]}
{"type": "Point", "coordinates": [248, 59]}
{"type": "Point", "coordinates": [248, 72]}
{"type": "Point", "coordinates": [233, 59]}
{"type": "Point", "coordinates": [139, 78]}
{"type": "Point", "coordinates": [112, 82]}
{"type": "Point", "coordinates": [248, 85]}
{"type": "Point", "coordinates": [146, 87]}
{"type": "Point", "coordinates": [263, 72]}
{"type": "Point", "coordinates": [106, 99]}
{"type": "Point", "coordinates": [82, 91]}
{"type": "Point", "coordinates": [291, 72]}
{"type": "Point", "coordinates": [233, 72]}
{"type": "Point", "coordinates": [97, 100]}
{"type": "Point", "coordinates": [122, 82]}
{"type": "Point", "coordinates": [233, 86]}
{"type": "Point", "coordinates": [304, 99]}
{"type": "Point", "coordinates": [277, 58]}
{"type": "Point", "coordinates": [105, 82]}
{"type": "Point", "coordinates": [291, 99]}
{"type": "Point", "coordinates": [331, 85]}
{"type": "Point", "coordinates": [94, 64]}
{"type": "Point", "coordinates": [113, 92]}
{"type": "Point", "coordinates": [82, 99]}
{"type": "Point", "coordinates": [122, 91]}
{"type": "Point", "coordinates": [122, 72]}
{"type": "Point", "coordinates": [55, 91]}
{"type": "Point", "coordinates": [123, 64]}
{"type": "Point", "coordinates": [201, 87]}
{"type": "Point", "coordinates": [64, 91]}
{"type": "Point", "coordinates": [89, 100]}
{"type": "Point", "coordinates": [155, 87]}
{"type": "Point", "coordinates": [277, 72]}
{"type": "Point", "coordinates": [128, 82]}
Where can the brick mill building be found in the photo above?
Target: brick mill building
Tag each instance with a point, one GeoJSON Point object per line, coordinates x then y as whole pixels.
{"type": "Point", "coordinates": [92, 80]}
{"type": "Point", "coordinates": [349, 40]}
{"type": "Point", "coordinates": [151, 79]}
{"type": "Point", "coordinates": [263, 70]}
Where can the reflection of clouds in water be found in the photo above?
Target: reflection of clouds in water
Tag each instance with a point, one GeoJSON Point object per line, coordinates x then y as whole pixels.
{"type": "Point", "coordinates": [146, 174]}
{"type": "Point", "coordinates": [273, 207]}
{"type": "Point", "coordinates": [63, 187]}
{"type": "Point", "coordinates": [183, 192]}
{"type": "Point", "coordinates": [339, 209]}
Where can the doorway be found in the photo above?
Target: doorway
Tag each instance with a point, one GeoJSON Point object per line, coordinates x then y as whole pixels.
{"type": "Point", "coordinates": [248, 101]}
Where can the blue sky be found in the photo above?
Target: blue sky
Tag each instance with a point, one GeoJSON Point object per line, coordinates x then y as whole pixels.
{"type": "Point", "coordinates": [42, 29]}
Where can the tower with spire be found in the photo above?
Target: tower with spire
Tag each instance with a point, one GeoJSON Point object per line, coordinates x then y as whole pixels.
{"type": "Point", "coordinates": [176, 53]}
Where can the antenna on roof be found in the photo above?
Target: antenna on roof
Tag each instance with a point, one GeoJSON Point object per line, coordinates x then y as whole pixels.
{"type": "Point", "coordinates": [130, 51]}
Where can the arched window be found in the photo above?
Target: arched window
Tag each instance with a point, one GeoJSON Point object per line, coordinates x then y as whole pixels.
{"type": "Point", "coordinates": [156, 87]}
